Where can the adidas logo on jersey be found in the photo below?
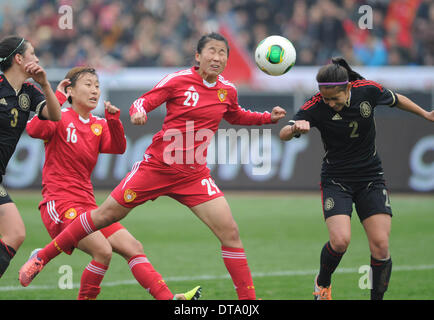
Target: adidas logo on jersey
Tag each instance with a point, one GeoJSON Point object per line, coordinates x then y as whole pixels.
{"type": "Point", "coordinates": [3, 101]}
{"type": "Point", "coordinates": [337, 117]}
{"type": "Point", "coordinates": [191, 89]}
{"type": "Point", "coordinates": [71, 125]}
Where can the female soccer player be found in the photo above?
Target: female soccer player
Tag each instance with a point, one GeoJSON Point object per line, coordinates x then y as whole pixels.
{"type": "Point", "coordinates": [197, 99]}
{"type": "Point", "coordinates": [343, 112]}
{"type": "Point", "coordinates": [72, 147]}
{"type": "Point", "coordinates": [18, 62]}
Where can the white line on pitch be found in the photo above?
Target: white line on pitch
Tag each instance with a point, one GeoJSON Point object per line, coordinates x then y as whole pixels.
{"type": "Point", "coordinates": [218, 277]}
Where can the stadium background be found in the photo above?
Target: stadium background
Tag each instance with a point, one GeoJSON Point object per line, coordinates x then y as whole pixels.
{"type": "Point", "coordinates": [133, 44]}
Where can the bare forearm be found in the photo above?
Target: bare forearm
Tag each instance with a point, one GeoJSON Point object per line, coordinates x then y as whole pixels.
{"type": "Point", "coordinates": [52, 109]}
{"type": "Point", "coordinates": [287, 133]}
{"type": "Point", "coordinates": [406, 104]}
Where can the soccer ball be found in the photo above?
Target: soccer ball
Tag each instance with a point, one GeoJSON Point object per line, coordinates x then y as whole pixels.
{"type": "Point", "coordinates": [275, 55]}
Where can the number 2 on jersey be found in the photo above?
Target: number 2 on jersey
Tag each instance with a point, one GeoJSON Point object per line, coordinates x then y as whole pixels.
{"type": "Point", "coordinates": [210, 184]}
{"type": "Point", "coordinates": [70, 135]}
{"type": "Point", "coordinates": [191, 96]}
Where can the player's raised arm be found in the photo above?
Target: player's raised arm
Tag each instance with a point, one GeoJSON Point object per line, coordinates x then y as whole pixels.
{"type": "Point", "coordinates": [114, 142]}
{"type": "Point", "coordinates": [406, 104]}
{"type": "Point", "coordinates": [52, 110]}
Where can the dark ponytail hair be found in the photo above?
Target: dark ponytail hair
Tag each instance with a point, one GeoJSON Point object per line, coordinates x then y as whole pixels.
{"type": "Point", "coordinates": [338, 71]}
{"type": "Point", "coordinates": [9, 47]}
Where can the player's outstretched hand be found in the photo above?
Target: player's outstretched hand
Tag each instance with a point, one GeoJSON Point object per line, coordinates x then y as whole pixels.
{"type": "Point", "coordinates": [430, 115]}
{"type": "Point", "coordinates": [139, 118]}
{"type": "Point", "coordinates": [277, 113]}
{"type": "Point", "coordinates": [110, 108]}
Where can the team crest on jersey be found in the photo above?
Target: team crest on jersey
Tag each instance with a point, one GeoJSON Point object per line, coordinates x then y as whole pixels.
{"type": "Point", "coordinates": [222, 93]}
{"type": "Point", "coordinates": [329, 204]}
{"type": "Point", "coordinates": [3, 192]}
{"type": "Point", "coordinates": [129, 195]}
{"type": "Point", "coordinates": [71, 214]}
{"type": "Point", "coordinates": [96, 129]}
{"type": "Point", "coordinates": [24, 101]}
{"type": "Point", "coordinates": [365, 109]}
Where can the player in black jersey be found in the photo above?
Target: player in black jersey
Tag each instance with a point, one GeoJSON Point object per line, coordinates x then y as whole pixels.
{"type": "Point", "coordinates": [18, 98]}
{"type": "Point", "coordinates": [343, 112]}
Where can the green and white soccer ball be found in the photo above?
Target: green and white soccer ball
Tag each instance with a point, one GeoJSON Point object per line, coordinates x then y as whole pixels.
{"type": "Point", "coordinates": [275, 55]}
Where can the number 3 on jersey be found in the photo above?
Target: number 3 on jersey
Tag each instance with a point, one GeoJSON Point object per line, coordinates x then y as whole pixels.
{"type": "Point", "coordinates": [71, 136]}
{"type": "Point", "coordinates": [194, 96]}
{"type": "Point", "coordinates": [211, 186]}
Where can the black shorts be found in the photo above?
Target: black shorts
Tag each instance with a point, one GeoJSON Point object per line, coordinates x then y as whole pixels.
{"type": "Point", "coordinates": [4, 195]}
{"type": "Point", "coordinates": [370, 198]}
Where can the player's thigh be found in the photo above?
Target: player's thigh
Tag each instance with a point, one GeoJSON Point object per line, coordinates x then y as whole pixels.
{"type": "Point", "coordinates": [12, 229]}
{"type": "Point", "coordinates": [339, 229]}
{"type": "Point", "coordinates": [377, 228]}
{"type": "Point", "coordinates": [217, 215]}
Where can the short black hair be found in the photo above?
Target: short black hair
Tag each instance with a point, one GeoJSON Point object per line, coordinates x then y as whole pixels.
{"type": "Point", "coordinates": [207, 38]}
{"type": "Point", "coordinates": [9, 47]}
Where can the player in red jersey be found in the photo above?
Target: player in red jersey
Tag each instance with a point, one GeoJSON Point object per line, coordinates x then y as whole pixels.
{"type": "Point", "coordinates": [72, 147]}
{"type": "Point", "coordinates": [197, 99]}
{"type": "Point", "coordinates": [18, 62]}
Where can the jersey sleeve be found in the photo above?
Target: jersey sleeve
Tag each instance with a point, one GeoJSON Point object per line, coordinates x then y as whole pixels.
{"type": "Point", "coordinates": [38, 129]}
{"type": "Point", "coordinates": [153, 98]}
{"type": "Point", "coordinates": [381, 95]}
{"type": "Point", "coordinates": [113, 137]}
{"type": "Point", "coordinates": [238, 115]}
{"type": "Point", "coordinates": [37, 99]}
{"type": "Point", "coordinates": [306, 110]}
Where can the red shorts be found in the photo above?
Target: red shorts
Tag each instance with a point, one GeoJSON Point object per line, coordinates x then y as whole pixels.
{"type": "Point", "coordinates": [150, 179]}
{"type": "Point", "coordinates": [57, 215]}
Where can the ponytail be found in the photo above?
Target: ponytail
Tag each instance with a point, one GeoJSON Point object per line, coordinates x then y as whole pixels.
{"type": "Point", "coordinates": [337, 74]}
{"type": "Point", "coordinates": [352, 75]}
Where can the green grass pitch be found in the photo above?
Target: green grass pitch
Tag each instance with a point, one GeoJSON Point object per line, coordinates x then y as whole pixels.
{"type": "Point", "coordinates": [282, 234]}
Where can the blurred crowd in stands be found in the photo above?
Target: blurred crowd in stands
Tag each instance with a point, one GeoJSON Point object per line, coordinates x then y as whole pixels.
{"type": "Point", "coordinates": [138, 33]}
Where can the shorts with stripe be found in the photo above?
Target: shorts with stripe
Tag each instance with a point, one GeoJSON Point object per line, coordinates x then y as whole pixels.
{"type": "Point", "coordinates": [150, 179]}
{"type": "Point", "coordinates": [369, 197]}
{"type": "Point", "coordinates": [57, 215]}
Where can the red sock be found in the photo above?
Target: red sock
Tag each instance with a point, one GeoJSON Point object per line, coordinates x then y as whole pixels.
{"type": "Point", "coordinates": [91, 280]}
{"type": "Point", "coordinates": [148, 278]}
{"type": "Point", "coordinates": [236, 263]}
{"type": "Point", "coordinates": [68, 238]}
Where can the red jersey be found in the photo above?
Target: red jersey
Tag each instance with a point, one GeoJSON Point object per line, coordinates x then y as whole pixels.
{"type": "Point", "coordinates": [72, 146]}
{"type": "Point", "coordinates": [194, 111]}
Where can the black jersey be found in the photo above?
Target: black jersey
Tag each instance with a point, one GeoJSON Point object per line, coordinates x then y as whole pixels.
{"type": "Point", "coordinates": [349, 135]}
{"type": "Point", "coordinates": [14, 112]}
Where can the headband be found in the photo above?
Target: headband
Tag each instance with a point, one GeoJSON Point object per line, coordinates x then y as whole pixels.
{"type": "Point", "coordinates": [21, 42]}
{"type": "Point", "coordinates": [332, 83]}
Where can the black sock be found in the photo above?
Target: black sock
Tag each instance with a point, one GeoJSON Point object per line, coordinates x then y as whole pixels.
{"type": "Point", "coordinates": [381, 271]}
{"type": "Point", "coordinates": [328, 263]}
{"type": "Point", "coordinates": [6, 254]}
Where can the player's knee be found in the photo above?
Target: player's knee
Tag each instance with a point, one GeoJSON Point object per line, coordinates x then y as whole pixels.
{"type": "Point", "coordinates": [340, 243]}
{"type": "Point", "coordinates": [103, 254]}
{"type": "Point", "coordinates": [16, 237]}
{"type": "Point", "coordinates": [133, 249]}
{"type": "Point", "coordinates": [380, 248]}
